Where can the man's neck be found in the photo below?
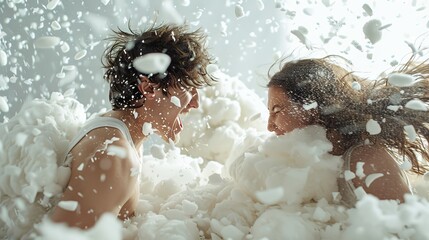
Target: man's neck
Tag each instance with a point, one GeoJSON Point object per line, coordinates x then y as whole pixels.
{"type": "Point", "coordinates": [134, 121]}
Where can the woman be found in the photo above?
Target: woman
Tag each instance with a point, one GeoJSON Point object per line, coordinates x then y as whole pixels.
{"type": "Point", "coordinates": [153, 76]}
{"type": "Point", "coordinates": [353, 111]}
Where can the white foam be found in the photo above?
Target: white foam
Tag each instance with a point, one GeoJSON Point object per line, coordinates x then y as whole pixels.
{"type": "Point", "coordinates": [239, 11]}
{"type": "Point", "coordinates": [176, 101]}
{"type": "Point", "coordinates": [79, 55]}
{"type": "Point", "coordinates": [47, 42]}
{"type": "Point", "coordinates": [4, 107]}
{"type": "Point", "coordinates": [372, 31]}
{"type": "Point", "coordinates": [411, 132]}
{"type": "Point", "coordinates": [401, 79]}
{"type": "Point", "coordinates": [270, 196]}
{"type": "Point", "coordinates": [416, 104]}
{"type": "Point", "coordinates": [371, 178]}
{"type": "Point", "coordinates": [152, 63]}
{"type": "Point", "coordinates": [52, 4]}
{"type": "Point", "coordinates": [3, 58]}
{"type": "Point", "coordinates": [373, 127]}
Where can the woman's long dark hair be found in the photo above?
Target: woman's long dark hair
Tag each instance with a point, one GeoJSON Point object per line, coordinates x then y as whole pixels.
{"type": "Point", "coordinates": [347, 102]}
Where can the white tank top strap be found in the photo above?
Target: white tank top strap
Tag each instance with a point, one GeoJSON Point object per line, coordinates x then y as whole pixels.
{"type": "Point", "coordinates": [94, 123]}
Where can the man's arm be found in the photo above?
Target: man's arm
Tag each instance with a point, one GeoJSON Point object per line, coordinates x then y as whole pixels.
{"type": "Point", "coordinates": [103, 184]}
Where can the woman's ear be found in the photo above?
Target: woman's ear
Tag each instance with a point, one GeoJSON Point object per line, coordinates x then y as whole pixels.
{"type": "Point", "coordinates": [146, 87]}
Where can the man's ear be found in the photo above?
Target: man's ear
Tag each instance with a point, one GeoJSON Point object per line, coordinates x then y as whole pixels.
{"type": "Point", "coordinates": [146, 87]}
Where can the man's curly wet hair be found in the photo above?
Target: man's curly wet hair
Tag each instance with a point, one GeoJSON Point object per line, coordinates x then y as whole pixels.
{"type": "Point", "coordinates": [187, 50]}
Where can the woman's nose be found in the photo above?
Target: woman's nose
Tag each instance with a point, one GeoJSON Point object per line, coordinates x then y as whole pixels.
{"type": "Point", "coordinates": [271, 126]}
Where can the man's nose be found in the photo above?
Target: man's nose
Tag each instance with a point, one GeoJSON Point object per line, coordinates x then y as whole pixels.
{"type": "Point", "coordinates": [195, 100]}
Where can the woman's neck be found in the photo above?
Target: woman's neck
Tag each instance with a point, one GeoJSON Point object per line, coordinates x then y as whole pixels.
{"type": "Point", "coordinates": [336, 139]}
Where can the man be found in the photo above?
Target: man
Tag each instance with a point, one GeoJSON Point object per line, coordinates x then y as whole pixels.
{"type": "Point", "coordinates": [153, 78]}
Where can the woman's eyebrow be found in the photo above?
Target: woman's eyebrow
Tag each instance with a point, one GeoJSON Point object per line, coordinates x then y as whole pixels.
{"type": "Point", "coordinates": [274, 106]}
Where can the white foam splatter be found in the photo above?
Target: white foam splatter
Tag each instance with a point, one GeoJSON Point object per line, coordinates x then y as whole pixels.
{"type": "Point", "coordinates": [321, 215]}
{"type": "Point", "coordinates": [176, 101]}
{"type": "Point", "coordinates": [367, 9]}
{"type": "Point", "coordinates": [68, 205]}
{"type": "Point", "coordinates": [3, 58]}
{"type": "Point", "coordinates": [416, 104]}
{"type": "Point", "coordinates": [212, 68]}
{"type": "Point", "coordinates": [105, 2]}
{"type": "Point", "coordinates": [356, 86]}
{"type": "Point", "coordinates": [65, 47]}
{"type": "Point", "coordinates": [401, 79]}
{"type": "Point", "coordinates": [359, 170]}
{"type": "Point", "coordinates": [270, 196]}
{"type": "Point", "coordinates": [185, 3]}
{"type": "Point", "coordinates": [393, 107]}
{"type": "Point", "coordinates": [411, 132]}
{"type": "Point", "coordinates": [349, 175]}
{"type": "Point", "coordinates": [371, 29]}
{"type": "Point", "coordinates": [4, 107]}
{"type": "Point", "coordinates": [239, 11]}
{"type": "Point", "coordinates": [373, 127]}
{"type": "Point", "coordinates": [406, 165]}
{"type": "Point", "coordinates": [47, 42]}
{"type": "Point", "coordinates": [55, 25]}
{"type": "Point", "coordinates": [52, 4]}
{"type": "Point", "coordinates": [79, 55]}
{"type": "Point", "coordinates": [372, 177]}
{"type": "Point", "coordinates": [120, 152]}
{"type": "Point", "coordinates": [261, 5]}
{"type": "Point", "coordinates": [147, 129]}
{"type": "Point", "coordinates": [309, 106]}
{"type": "Point", "coordinates": [152, 63]}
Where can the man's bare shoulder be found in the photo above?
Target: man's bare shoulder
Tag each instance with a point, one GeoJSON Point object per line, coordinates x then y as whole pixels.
{"type": "Point", "coordinates": [103, 151]}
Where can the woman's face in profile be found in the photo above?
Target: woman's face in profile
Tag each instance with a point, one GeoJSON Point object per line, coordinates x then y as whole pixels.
{"type": "Point", "coordinates": [285, 115]}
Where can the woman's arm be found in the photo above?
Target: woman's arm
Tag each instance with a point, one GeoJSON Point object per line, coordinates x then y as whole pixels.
{"type": "Point", "coordinates": [376, 160]}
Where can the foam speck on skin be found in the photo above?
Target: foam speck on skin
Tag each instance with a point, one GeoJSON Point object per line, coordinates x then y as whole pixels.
{"type": "Point", "coordinates": [371, 178]}
{"type": "Point", "coordinates": [147, 129]}
{"type": "Point", "coordinates": [349, 175]}
{"type": "Point", "coordinates": [359, 170]}
{"type": "Point", "coordinates": [120, 152]}
{"type": "Point", "coordinates": [176, 101]}
{"type": "Point", "coordinates": [68, 205]}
